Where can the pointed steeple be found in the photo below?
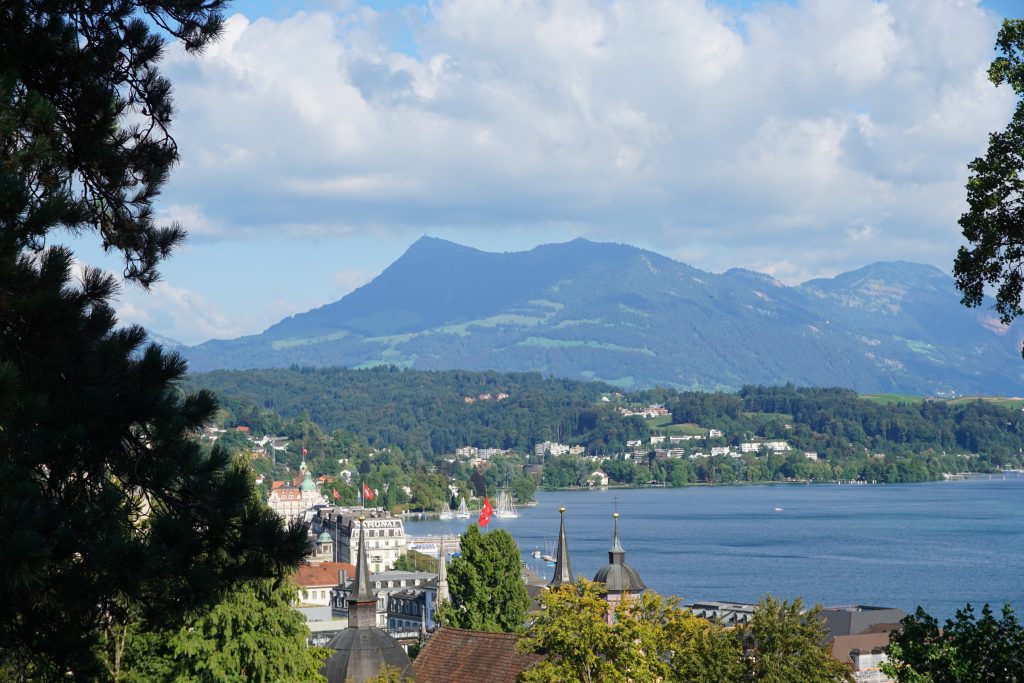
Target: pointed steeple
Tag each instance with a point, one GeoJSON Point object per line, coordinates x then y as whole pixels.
{"type": "Point", "coordinates": [362, 603]}
{"type": "Point", "coordinates": [617, 554]}
{"type": "Point", "coordinates": [563, 569]}
{"type": "Point", "coordinates": [442, 577]}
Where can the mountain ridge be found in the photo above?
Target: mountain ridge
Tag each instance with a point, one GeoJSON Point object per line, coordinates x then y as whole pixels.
{"type": "Point", "coordinates": [614, 312]}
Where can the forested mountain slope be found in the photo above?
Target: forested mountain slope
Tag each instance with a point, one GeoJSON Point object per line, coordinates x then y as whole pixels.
{"type": "Point", "coordinates": [635, 318]}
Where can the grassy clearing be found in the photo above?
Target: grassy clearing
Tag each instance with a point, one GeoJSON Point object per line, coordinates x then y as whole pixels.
{"type": "Point", "coordinates": [664, 425]}
{"type": "Point", "coordinates": [885, 399]}
{"type": "Point", "coordinates": [1011, 402]}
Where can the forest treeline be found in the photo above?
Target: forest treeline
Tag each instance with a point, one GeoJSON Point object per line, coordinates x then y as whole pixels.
{"type": "Point", "coordinates": [424, 415]}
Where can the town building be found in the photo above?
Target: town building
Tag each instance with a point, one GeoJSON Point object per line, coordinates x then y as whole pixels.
{"type": "Point", "coordinates": [620, 581]}
{"type": "Point", "coordinates": [383, 585]}
{"type": "Point", "coordinates": [290, 501]}
{"type": "Point", "coordinates": [316, 581]}
{"type": "Point", "coordinates": [362, 649]}
{"type": "Point", "coordinates": [385, 534]}
{"type": "Point", "coordinates": [725, 613]}
{"type": "Point", "coordinates": [850, 620]}
{"type": "Point", "coordinates": [865, 654]}
{"type": "Point", "coordinates": [455, 655]}
{"type": "Point", "coordinates": [551, 448]}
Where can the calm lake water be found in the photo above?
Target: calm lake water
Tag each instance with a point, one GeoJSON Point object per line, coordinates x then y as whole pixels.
{"type": "Point", "coordinates": [938, 545]}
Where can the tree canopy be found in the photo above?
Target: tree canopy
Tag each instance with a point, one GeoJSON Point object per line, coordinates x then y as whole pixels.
{"type": "Point", "coordinates": [252, 635]}
{"type": "Point", "coordinates": [994, 222]}
{"type": "Point", "coordinates": [486, 585]}
{"type": "Point", "coordinates": [787, 642]}
{"type": "Point", "coordinates": [967, 649]}
{"type": "Point", "coordinates": [652, 639]}
{"type": "Point", "coordinates": [110, 508]}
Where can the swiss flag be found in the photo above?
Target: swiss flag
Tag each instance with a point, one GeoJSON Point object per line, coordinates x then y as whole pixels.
{"type": "Point", "coordinates": [485, 514]}
{"type": "Point", "coordinates": [337, 496]}
{"type": "Point", "coordinates": [367, 492]}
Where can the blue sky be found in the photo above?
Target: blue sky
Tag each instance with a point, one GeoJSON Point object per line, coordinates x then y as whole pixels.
{"type": "Point", "coordinates": [799, 138]}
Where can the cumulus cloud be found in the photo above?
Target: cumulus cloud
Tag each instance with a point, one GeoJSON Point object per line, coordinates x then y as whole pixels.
{"type": "Point", "coordinates": [805, 137]}
{"type": "Point", "coordinates": [178, 313]}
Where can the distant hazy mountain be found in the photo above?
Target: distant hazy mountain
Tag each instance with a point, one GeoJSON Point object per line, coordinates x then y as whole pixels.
{"type": "Point", "coordinates": [635, 318]}
{"type": "Point", "coordinates": [166, 342]}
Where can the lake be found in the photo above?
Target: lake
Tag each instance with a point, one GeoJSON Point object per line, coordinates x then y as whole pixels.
{"type": "Point", "coordinates": [938, 545]}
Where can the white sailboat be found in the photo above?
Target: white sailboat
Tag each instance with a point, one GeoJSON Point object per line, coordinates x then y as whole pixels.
{"type": "Point", "coordinates": [463, 511]}
{"type": "Point", "coordinates": [446, 513]}
{"type": "Point", "coordinates": [505, 508]}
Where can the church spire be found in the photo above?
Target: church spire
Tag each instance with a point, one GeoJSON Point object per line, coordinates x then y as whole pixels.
{"type": "Point", "coordinates": [617, 554]}
{"type": "Point", "coordinates": [563, 569]}
{"type": "Point", "coordinates": [362, 604]}
{"type": "Point", "coordinates": [442, 576]}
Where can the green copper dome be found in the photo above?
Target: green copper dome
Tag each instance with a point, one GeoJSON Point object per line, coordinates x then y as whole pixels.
{"type": "Point", "coordinates": [324, 537]}
{"type": "Point", "coordinates": [307, 483]}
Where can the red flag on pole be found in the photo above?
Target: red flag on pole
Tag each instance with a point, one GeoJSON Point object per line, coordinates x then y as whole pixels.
{"type": "Point", "coordinates": [304, 451]}
{"type": "Point", "coordinates": [485, 514]}
{"type": "Point", "coordinates": [367, 492]}
{"type": "Point", "coordinates": [337, 496]}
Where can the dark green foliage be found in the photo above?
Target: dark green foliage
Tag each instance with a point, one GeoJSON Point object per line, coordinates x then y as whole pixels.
{"type": "Point", "coordinates": [72, 76]}
{"type": "Point", "coordinates": [108, 501]}
{"type": "Point", "coordinates": [967, 649]}
{"type": "Point", "coordinates": [418, 416]}
{"type": "Point", "coordinates": [252, 636]}
{"type": "Point", "coordinates": [994, 222]}
{"type": "Point", "coordinates": [523, 489]}
{"type": "Point", "coordinates": [487, 589]}
{"type": "Point", "coordinates": [109, 508]}
{"type": "Point", "coordinates": [425, 412]}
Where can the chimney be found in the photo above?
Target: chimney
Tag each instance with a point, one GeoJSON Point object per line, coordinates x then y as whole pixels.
{"type": "Point", "coordinates": [342, 575]}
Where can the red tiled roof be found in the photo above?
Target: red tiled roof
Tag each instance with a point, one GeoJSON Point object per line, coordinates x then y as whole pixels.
{"type": "Point", "coordinates": [286, 493]}
{"type": "Point", "coordinates": [321, 574]}
{"type": "Point", "coordinates": [455, 655]}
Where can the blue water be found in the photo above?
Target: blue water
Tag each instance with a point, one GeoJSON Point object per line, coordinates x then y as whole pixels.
{"type": "Point", "coordinates": [938, 545]}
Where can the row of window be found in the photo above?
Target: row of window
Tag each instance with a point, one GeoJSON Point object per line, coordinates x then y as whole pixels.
{"type": "Point", "coordinates": [380, 532]}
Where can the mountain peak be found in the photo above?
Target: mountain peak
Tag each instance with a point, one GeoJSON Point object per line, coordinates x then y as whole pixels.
{"type": "Point", "coordinates": [637, 318]}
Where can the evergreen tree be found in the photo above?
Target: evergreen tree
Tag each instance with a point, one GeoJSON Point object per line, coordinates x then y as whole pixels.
{"type": "Point", "coordinates": [486, 584]}
{"type": "Point", "coordinates": [109, 505]}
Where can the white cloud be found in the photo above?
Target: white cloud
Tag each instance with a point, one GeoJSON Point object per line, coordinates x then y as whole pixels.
{"type": "Point", "coordinates": [347, 280]}
{"type": "Point", "coordinates": [808, 137]}
{"type": "Point", "coordinates": [179, 313]}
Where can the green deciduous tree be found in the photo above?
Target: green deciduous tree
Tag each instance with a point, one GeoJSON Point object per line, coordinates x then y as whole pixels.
{"type": "Point", "coordinates": [486, 585]}
{"type": "Point", "coordinates": [967, 649]}
{"type": "Point", "coordinates": [253, 635]}
{"type": "Point", "coordinates": [788, 645]}
{"type": "Point", "coordinates": [994, 222]}
{"type": "Point", "coordinates": [109, 507]}
{"type": "Point", "coordinates": [652, 639]}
